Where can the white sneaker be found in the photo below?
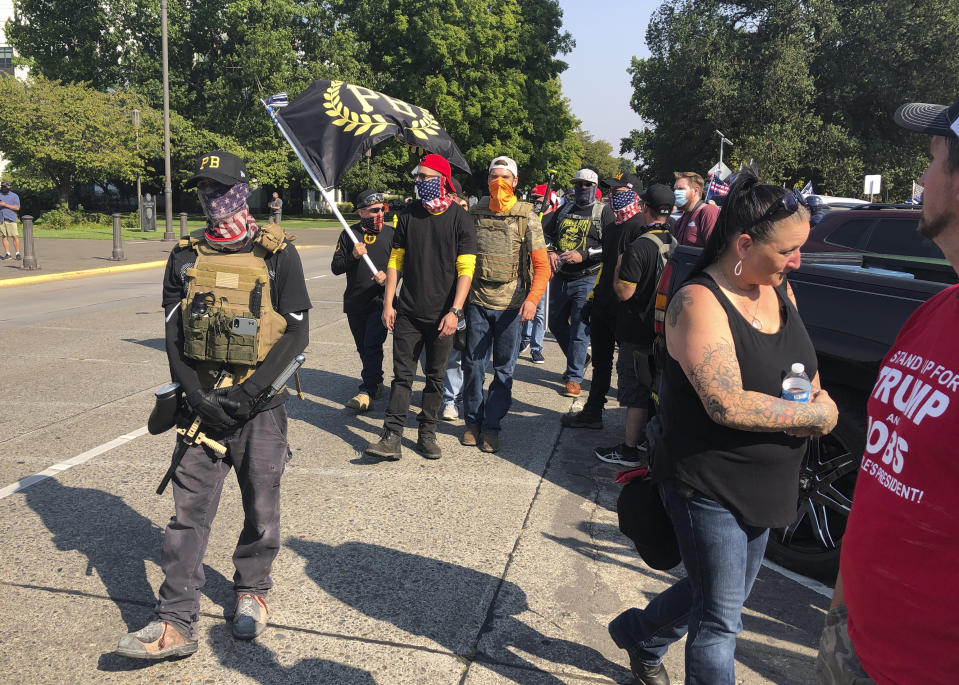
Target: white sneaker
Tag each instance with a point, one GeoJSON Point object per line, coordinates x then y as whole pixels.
{"type": "Point", "coordinates": [449, 412]}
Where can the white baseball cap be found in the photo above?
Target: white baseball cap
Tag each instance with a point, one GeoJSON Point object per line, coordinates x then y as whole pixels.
{"type": "Point", "coordinates": [504, 162]}
{"type": "Point", "coordinates": [586, 175]}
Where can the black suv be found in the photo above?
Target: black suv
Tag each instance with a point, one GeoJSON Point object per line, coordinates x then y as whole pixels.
{"type": "Point", "coordinates": [873, 229]}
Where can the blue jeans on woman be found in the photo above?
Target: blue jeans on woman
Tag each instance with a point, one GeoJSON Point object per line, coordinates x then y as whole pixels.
{"type": "Point", "coordinates": [722, 557]}
{"type": "Point", "coordinates": [489, 332]}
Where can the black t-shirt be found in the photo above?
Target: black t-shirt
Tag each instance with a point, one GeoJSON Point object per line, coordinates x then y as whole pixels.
{"type": "Point", "coordinates": [640, 265]}
{"type": "Point", "coordinates": [615, 237]}
{"type": "Point", "coordinates": [576, 232]}
{"type": "Point", "coordinates": [431, 244]}
{"type": "Point", "coordinates": [362, 294]}
{"type": "Point", "coordinates": [287, 285]}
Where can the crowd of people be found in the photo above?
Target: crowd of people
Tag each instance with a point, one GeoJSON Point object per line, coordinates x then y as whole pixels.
{"type": "Point", "coordinates": [469, 284]}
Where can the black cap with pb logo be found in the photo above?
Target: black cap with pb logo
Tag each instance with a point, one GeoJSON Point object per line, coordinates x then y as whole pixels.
{"type": "Point", "coordinates": [218, 165]}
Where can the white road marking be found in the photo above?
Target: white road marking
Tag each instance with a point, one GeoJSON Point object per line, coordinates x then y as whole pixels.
{"type": "Point", "coordinates": [25, 483]}
{"type": "Point", "coordinates": [813, 585]}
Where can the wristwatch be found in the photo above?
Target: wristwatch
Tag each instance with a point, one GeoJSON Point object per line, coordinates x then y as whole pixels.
{"type": "Point", "coordinates": [458, 312]}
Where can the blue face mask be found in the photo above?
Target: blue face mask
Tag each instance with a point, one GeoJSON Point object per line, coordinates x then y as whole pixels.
{"type": "Point", "coordinates": [680, 197]}
{"type": "Point", "coordinates": [622, 200]}
{"type": "Point", "coordinates": [585, 196]}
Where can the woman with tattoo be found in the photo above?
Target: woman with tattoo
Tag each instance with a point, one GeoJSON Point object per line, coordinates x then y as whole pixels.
{"type": "Point", "coordinates": [731, 447]}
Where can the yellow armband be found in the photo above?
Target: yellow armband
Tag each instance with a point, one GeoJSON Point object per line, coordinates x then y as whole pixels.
{"type": "Point", "coordinates": [396, 259]}
{"type": "Point", "coordinates": [465, 265]}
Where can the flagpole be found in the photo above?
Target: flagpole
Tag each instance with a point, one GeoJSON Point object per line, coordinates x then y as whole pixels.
{"type": "Point", "coordinates": [323, 191]}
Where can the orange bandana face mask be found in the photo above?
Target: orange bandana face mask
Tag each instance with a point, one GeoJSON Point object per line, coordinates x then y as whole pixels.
{"type": "Point", "coordinates": [501, 197]}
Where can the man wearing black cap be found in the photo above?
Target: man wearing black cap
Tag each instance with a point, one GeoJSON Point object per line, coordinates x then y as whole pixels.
{"type": "Point", "coordinates": [893, 614]}
{"type": "Point", "coordinates": [602, 307]}
{"type": "Point", "coordinates": [637, 272]}
{"type": "Point", "coordinates": [236, 315]}
{"type": "Point", "coordinates": [363, 297]}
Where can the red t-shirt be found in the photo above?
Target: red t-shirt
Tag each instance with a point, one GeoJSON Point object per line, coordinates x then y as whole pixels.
{"type": "Point", "coordinates": [900, 552]}
{"type": "Point", "coordinates": [694, 227]}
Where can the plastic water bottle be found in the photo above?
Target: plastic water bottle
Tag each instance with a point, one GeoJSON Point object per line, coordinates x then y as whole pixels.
{"type": "Point", "coordinates": [796, 385]}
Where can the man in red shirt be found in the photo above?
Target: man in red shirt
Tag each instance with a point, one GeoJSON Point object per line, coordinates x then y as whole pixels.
{"type": "Point", "coordinates": [893, 615]}
{"type": "Point", "coordinates": [698, 219]}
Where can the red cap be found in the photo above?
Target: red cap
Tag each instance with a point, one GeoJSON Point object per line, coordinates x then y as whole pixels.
{"type": "Point", "coordinates": [439, 164]}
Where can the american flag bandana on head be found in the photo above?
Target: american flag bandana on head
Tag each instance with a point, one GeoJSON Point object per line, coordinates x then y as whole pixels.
{"type": "Point", "coordinates": [625, 205]}
{"type": "Point", "coordinates": [233, 232]}
{"type": "Point", "coordinates": [433, 194]}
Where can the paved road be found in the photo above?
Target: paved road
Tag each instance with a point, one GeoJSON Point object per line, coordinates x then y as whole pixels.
{"type": "Point", "coordinates": [475, 569]}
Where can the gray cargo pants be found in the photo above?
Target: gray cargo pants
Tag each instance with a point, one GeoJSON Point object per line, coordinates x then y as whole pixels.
{"type": "Point", "coordinates": [258, 452]}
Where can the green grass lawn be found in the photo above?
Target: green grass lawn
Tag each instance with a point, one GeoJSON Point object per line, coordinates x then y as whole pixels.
{"type": "Point", "coordinates": [100, 232]}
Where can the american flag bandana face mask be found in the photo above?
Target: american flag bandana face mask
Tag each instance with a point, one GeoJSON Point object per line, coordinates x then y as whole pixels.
{"type": "Point", "coordinates": [433, 195]}
{"type": "Point", "coordinates": [625, 205]}
{"type": "Point", "coordinates": [221, 201]}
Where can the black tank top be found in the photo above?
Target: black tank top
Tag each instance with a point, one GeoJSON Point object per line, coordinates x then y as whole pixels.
{"type": "Point", "coordinates": [755, 474]}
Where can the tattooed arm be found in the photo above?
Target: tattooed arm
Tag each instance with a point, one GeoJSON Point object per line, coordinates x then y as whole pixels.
{"type": "Point", "coordinates": [699, 338]}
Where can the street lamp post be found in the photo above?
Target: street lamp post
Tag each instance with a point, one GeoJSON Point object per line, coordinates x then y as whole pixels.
{"type": "Point", "coordinates": [722, 139]}
{"type": "Point", "coordinates": [136, 129]}
{"type": "Point", "coordinates": [167, 187]}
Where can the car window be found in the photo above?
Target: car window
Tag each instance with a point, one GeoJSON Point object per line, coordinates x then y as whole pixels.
{"type": "Point", "coordinates": [851, 234]}
{"type": "Point", "coordinates": [898, 236]}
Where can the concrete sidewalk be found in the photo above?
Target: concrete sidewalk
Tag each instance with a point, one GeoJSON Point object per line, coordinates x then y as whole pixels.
{"type": "Point", "coordinates": [61, 258]}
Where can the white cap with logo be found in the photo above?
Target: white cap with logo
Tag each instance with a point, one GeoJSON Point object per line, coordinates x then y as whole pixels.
{"type": "Point", "coordinates": [587, 176]}
{"type": "Point", "coordinates": [504, 162]}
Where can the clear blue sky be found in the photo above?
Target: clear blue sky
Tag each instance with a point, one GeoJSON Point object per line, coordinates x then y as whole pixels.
{"type": "Point", "coordinates": [607, 35]}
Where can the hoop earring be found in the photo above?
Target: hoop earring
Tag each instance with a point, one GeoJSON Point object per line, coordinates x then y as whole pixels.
{"type": "Point", "coordinates": [738, 269]}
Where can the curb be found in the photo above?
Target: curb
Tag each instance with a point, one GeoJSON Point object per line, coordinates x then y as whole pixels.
{"type": "Point", "coordinates": [101, 271]}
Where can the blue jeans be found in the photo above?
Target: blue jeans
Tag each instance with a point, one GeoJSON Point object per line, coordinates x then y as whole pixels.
{"type": "Point", "coordinates": [496, 332]}
{"type": "Point", "coordinates": [722, 557]}
{"type": "Point", "coordinates": [535, 328]}
{"type": "Point", "coordinates": [453, 381]}
{"type": "Point", "coordinates": [369, 334]}
{"type": "Point", "coordinates": [566, 300]}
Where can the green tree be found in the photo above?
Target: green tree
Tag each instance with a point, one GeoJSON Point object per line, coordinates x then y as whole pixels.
{"type": "Point", "coordinates": [806, 89]}
{"type": "Point", "coordinates": [58, 134]}
{"type": "Point", "coordinates": [598, 155]}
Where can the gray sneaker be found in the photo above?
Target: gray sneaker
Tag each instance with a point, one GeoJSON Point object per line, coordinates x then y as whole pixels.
{"type": "Point", "coordinates": [157, 640]}
{"type": "Point", "coordinates": [249, 617]}
{"type": "Point", "coordinates": [449, 412]}
{"type": "Point", "coordinates": [623, 454]}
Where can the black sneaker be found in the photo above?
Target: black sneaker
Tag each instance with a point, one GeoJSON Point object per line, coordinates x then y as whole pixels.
{"type": "Point", "coordinates": [537, 357]}
{"type": "Point", "coordinates": [388, 447]}
{"type": "Point", "coordinates": [6, 256]}
{"type": "Point", "coordinates": [622, 454]}
{"type": "Point", "coordinates": [18, 256]}
{"type": "Point", "coordinates": [428, 447]}
{"type": "Point", "coordinates": [583, 419]}
{"type": "Point", "coordinates": [523, 345]}
{"type": "Point", "coordinates": [647, 675]}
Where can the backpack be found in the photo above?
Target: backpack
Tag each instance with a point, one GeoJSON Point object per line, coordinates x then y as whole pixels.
{"type": "Point", "coordinates": [665, 249]}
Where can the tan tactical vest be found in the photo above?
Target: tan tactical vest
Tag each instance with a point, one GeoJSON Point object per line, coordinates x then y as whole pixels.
{"type": "Point", "coordinates": [501, 254]}
{"type": "Point", "coordinates": [221, 291]}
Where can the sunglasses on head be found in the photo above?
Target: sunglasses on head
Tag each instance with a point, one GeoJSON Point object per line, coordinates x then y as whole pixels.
{"type": "Point", "coordinates": [788, 204]}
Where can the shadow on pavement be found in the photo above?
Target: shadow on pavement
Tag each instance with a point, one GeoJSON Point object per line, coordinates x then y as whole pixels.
{"type": "Point", "coordinates": [440, 601]}
{"type": "Point", "coordinates": [257, 662]}
{"type": "Point", "coordinates": [117, 542]}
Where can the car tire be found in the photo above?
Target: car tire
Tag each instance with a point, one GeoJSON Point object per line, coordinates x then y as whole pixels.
{"type": "Point", "coordinates": [811, 545]}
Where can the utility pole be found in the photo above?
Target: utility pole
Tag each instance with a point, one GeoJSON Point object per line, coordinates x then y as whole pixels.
{"type": "Point", "coordinates": [167, 187]}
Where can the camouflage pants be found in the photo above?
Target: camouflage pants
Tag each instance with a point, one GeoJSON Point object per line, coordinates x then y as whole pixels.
{"type": "Point", "coordinates": [837, 663]}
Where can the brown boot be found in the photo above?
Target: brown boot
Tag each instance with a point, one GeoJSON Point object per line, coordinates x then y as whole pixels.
{"type": "Point", "coordinates": [471, 436]}
{"type": "Point", "coordinates": [572, 389]}
{"type": "Point", "coordinates": [158, 640]}
{"type": "Point", "coordinates": [490, 442]}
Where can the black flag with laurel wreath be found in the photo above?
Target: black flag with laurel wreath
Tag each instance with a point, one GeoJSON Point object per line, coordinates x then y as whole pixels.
{"type": "Point", "coordinates": [332, 123]}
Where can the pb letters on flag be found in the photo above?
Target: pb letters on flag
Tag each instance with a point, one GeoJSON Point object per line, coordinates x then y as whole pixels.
{"type": "Point", "coordinates": [333, 123]}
